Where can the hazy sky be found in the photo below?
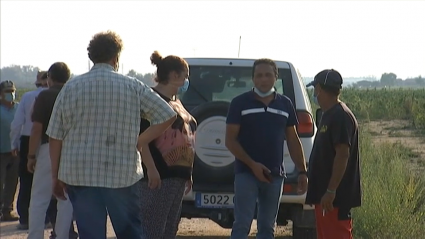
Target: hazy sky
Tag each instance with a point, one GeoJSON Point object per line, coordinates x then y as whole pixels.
{"type": "Point", "coordinates": [358, 38]}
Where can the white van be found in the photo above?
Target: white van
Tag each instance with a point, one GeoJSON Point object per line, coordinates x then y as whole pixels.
{"type": "Point", "coordinates": [213, 84]}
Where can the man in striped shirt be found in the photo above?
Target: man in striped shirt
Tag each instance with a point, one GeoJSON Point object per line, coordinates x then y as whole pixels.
{"type": "Point", "coordinates": [94, 137]}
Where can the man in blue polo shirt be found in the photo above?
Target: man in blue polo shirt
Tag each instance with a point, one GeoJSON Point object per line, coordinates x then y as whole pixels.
{"type": "Point", "coordinates": [258, 122]}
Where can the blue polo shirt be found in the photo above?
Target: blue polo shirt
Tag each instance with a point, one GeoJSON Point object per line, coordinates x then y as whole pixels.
{"type": "Point", "coordinates": [6, 118]}
{"type": "Point", "coordinates": [262, 129]}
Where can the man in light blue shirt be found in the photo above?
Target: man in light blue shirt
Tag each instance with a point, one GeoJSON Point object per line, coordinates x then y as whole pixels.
{"type": "Point", "coordinates": [19, 135]}
{"type": "Point", "coordinates": [9, 162]}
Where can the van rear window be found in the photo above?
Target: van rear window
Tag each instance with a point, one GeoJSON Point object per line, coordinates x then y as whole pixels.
{"type": "Point", "coordinates": [223, 83]}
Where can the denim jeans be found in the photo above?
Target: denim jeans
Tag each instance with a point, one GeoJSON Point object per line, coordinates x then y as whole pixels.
{"type": "Point", "coordinates": [249, 192]}
{"type": "Point", "coordinates": [93, 204]}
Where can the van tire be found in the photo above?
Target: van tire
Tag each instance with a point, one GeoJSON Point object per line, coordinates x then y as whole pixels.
{"type": "Point", "coordinates": [304, 233]}
{"type": "Point", "coordinates": [204, 171]}
{"type": "Point", "coordinates": [303, 224]}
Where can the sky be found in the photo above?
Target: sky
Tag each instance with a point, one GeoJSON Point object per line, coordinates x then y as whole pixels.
{"type": "Point", "coordinates": [357, 38]}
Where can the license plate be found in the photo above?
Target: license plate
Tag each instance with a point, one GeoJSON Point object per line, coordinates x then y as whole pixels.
{"type": "Point", "coordinates": [215, 200]}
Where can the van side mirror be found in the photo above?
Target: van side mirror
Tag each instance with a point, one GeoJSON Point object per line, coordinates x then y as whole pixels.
{"type": "Point", "coordinates": [319, 113]}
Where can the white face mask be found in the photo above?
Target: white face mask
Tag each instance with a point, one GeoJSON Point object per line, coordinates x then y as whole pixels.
{"type": "Point", "coordinates": [264, 94]}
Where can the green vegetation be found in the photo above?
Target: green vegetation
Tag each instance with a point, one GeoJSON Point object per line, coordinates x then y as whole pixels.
{"type": "Point", "coordinates": [393, 193]}
{"type": "Point", "coordinates": [393, 196]}
{"type": "Point", "coordinates": [386, 104]}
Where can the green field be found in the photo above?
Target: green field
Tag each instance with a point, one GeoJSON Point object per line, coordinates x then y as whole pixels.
{"type": "Point", "coordinates": [393, 193]}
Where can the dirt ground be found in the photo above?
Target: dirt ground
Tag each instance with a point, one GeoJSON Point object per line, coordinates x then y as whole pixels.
{"type": "Point", "coordinates": [390, 131]}
{"type": "Point", "coordinates": [188, 229]}
{"type": "Point", "coordinates": [401, 132]}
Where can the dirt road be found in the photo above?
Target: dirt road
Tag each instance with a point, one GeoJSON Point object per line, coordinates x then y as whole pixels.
{"type": "Point", "coordinates": [188, 229]}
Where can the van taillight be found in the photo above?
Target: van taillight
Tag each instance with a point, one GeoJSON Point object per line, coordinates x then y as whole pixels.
{"type": "Point", "coordinates": [305, 124]}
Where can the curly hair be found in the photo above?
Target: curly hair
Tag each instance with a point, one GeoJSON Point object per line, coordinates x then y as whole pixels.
{"type": "Point", "coordinates": [164, 66]}
{"type": "Point", "coordinates": [104, 46]}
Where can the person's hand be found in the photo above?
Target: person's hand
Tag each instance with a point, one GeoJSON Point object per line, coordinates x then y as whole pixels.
{"type": "Point", "coordinates": [139, 147]}
{"type": "Point", "coordinates": [59, 189]}
{"type": "Point", "coordinates": [31, 165]}
{"type": "Point", "coordinates": [302, 184]}
{"type": "Point", "coordinates": [327, 202]}
{"type": "Point", "coordinates": [154, 179]}
{"type": "Point", "coordinates": [259, 171]}
{"type": "Point", "coordinates": [189, 184]}
{"type": "Point", "coordinates": [15, 152]}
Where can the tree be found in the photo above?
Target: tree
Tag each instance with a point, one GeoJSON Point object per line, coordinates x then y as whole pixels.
{"type": "Point", "coordinates": [388, 79]}
{"type": "Point", "coordinates": [146, 78]}
{"type": "Point", "coordinates": [420, 81]}
{"type": "Point", "coordinates": [22, 76]}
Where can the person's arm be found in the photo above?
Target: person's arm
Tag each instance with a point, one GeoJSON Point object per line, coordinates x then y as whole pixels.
{"type": "Point", "coordinates": [293, 140]}
{"type": "Point", "coordinates": [147, 157]}
{"type": "Point", "coordinates": [56, 132]}
{"type": "Point", "coordinates": [233, 122]}
{"type": "Point", "coordinates": [55, 149]}
{"type": "Point", "coordinates": [37, 117]}
{"type": "Point", "coordinates": [146, 153]}
{"type": "Point", "coordinates": [157, 111]}
{"type": "Point", "coordinates": [342, 131]}
{"type": "Point", "coordinates": [295, 148]}
{"type": "Point", "coordinates": [17, 124]}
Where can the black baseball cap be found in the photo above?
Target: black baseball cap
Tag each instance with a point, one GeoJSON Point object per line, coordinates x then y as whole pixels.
{"type": "Point", "coordinates": [329, 78]}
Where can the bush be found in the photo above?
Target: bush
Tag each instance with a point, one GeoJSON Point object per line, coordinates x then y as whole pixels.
{"type": "Point", "coordinates": [393, 196]}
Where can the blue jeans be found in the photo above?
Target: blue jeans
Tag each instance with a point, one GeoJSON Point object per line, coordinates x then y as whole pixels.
{"type": "Point", "coordinates": [248, 189]}
{"type": "Point", "coordinates": [93, 204]}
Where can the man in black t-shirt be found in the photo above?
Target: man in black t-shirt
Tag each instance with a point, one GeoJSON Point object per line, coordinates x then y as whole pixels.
{"type": "Point", "coordinates": [39, 162]}
{"type": "Point", "coordinates": [334, 171]}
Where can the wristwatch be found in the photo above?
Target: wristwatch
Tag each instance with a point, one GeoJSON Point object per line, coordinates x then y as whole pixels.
{"type": "Point", "coordinates": [31, 156]}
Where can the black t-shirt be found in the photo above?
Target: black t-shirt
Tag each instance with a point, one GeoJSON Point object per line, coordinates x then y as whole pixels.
{"type": "Point", "coordinates": [165, 152]}
{"type": "Point", "coordinates": [337, 126]}
{"type": "Point", "coordinates": [43, 107]}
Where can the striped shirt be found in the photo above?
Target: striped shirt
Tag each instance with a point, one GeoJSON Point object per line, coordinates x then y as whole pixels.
{"type": "Point", "coordinates": [97, 116]}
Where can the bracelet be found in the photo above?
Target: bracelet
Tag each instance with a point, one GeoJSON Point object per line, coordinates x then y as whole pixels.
{"type": "Point", "coordinates": [331, 191]}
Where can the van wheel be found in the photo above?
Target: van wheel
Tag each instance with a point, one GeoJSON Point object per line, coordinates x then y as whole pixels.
{"type": "Point", "coordinates": [303, 224]}
{"type": "Point", "coordinates": [303, 233]}
{"type": "Point", "coordinates": [213, 161]}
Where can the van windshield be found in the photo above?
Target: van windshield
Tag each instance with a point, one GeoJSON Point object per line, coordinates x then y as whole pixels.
{"type": "Point", "coordinates": [223, 83]}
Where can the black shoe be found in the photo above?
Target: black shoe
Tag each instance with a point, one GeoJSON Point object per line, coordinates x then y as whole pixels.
{"type": "Point", "coordinates": [22, 226]}
{"type": "Point", "coordinates": [9, 217]}
{"type": "Point", "coordinates": [73, 235]}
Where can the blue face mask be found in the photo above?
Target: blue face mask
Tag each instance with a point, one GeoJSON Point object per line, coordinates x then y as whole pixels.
{"type": "Point", "coordinates": [9, 97]}
{"type": "Point", "coordinates": [184, 87]}
{"type": "Point", "coordinates": [264, 94]}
